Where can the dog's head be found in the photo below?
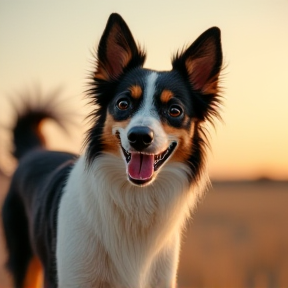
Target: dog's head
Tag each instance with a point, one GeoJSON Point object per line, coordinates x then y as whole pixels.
{"type": "Point", "coordinates": [152, 118]}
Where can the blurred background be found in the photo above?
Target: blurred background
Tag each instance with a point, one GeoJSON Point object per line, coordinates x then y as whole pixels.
{"type": "Point", "coordinates": [238, 236]}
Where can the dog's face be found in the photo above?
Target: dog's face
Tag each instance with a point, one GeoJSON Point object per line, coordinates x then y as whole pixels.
{"type": "Point", "coordinates": [151, 118]}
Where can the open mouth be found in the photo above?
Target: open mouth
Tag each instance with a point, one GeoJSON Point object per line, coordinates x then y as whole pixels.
{"type": "Point", "coordinates": [141, 166]}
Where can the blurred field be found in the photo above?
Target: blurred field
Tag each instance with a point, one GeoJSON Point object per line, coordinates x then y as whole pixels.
{"type": "Point", "coordinates": [238, 237]}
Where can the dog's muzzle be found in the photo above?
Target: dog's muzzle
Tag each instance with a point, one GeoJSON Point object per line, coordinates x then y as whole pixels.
{"type": "Point", "coordinates": [141, 164]}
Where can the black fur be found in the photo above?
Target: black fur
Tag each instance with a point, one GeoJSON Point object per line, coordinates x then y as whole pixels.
{"type": "Point", "coordinates": [30, 212]}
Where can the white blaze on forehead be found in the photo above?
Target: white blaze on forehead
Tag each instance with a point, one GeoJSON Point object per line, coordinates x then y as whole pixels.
{"type": "Point", "coordinates": [149, 91]}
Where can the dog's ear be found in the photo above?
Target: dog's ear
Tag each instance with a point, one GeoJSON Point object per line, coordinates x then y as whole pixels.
{"type": "Point", "coordinates": [202, 61]}
{"type": "Point", "coordinates": [117, 50]}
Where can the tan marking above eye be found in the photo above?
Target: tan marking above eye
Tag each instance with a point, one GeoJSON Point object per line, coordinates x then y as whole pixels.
{"type": "Point", "coordinates": [136, 91]}
{"type": "Point", "coordinates": [166, 95]}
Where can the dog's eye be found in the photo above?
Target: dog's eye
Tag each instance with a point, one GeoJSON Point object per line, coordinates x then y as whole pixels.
{"type": "Point", "coordinates": [175, 111]}
{"type": "Point", "coordinates": [123, 104]}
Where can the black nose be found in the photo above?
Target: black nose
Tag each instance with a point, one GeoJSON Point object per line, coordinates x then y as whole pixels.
{"type": "Point", "coordinates": [140, 137]}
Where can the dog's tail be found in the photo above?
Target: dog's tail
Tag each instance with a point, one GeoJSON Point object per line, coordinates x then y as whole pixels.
{"type": "Point", "coordinates": [31, 110]}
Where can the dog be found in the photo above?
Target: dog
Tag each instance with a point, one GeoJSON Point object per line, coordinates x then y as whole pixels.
{"type": "Point", "coordinates": [113, 217]}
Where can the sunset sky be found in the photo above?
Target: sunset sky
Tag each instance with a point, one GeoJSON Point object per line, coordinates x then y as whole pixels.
{"type": "Point", "coordinates": [49, 43]}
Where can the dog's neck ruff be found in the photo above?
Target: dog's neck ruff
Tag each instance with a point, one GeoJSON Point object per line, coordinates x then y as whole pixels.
{"type": "Point", "coordinates": [109, 172]}
{"type": "Point", "coordinates": [131, 220]}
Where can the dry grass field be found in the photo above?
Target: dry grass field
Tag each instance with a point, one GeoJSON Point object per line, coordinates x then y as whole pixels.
{"type": "Point", "coordinates": [237, 238]}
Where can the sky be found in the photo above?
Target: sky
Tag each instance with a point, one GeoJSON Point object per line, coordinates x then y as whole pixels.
{"type": "Point", "coordinates": [49, 44]}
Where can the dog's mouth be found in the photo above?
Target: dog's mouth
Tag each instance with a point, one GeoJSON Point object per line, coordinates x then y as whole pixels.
{"type": "Point", "coordinates": [141, 166]}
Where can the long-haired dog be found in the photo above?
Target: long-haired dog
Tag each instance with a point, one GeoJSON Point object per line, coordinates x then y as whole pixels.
{"type": "Point", "coordinates": [113, 217]}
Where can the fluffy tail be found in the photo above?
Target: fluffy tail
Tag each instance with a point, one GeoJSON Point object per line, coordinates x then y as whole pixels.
{"type": "Point", "coordinates": [30, 113]}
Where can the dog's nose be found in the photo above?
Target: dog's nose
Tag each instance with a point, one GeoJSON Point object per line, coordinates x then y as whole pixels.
{"type": "Point", "coordinates": [140, 137]}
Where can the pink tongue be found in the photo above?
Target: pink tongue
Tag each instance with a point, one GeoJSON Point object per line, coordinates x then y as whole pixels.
{"type": "Point", "coordinates": [141, 166]}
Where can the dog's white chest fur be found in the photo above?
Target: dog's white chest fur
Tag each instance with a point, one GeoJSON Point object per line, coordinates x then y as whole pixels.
{"type": "Point", "coordinates": [105, 222]}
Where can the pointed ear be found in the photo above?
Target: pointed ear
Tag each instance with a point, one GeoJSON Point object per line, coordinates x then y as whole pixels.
{"type": "Point", "coordinates": [117, 50]}
{"type": "Point", "coordinates": [202, 61]}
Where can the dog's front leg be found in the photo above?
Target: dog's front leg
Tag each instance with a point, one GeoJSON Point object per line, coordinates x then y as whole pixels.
{"type": "Point", "coordinates": [164, 271]}
{"type": "Point", "coordinates": [82, 261]}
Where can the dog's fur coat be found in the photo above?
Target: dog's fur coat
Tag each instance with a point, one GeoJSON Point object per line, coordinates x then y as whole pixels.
{"type": "Point", "coordinates": [113, 217]}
